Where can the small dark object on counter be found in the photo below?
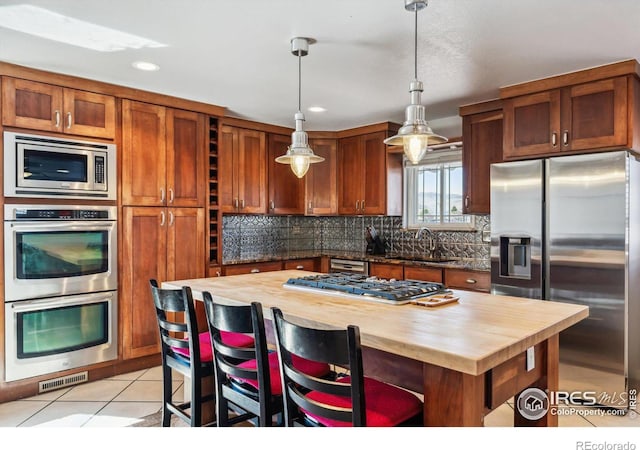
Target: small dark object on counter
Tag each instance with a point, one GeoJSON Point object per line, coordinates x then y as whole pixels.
{"type": "Point", "coordinates": [375, 246]}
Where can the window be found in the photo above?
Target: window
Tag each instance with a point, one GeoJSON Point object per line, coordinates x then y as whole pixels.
{"type": "Point", "coordinates": [433, 192]}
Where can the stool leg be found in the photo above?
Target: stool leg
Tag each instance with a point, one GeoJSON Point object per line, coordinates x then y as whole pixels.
{"type": "Point", "coordinates": [166, 395]}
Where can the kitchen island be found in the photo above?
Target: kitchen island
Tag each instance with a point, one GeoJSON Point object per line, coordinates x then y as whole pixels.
{"type": "Point", "coordinates": [467, 358]}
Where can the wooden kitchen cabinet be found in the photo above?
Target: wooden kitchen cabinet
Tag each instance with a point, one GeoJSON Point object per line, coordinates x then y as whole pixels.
{"type": "Point", "coordinates": [387, 271]}
{"type": "Point", "coordinates": [433, 274]}
{"type": "Point", "coordinates": [161, 243]}
{"type": "Point", "coordinates": [242, 171]}
{"type": "Point", "coordinates": [310, 264]}
{"type": "Point", "coordinates": [286, 190]}
{"type": "Point", "coordinates": [482, 146]}
{"type": "Point", "coordinates": [46, 107]}
{"type": "Point", "coordinates": [241, 269]}
{"type": "Point", "coordinates": [163, 156]}
{"type": "Point", "coordinates": [321, 180]}
{"type": "Point", "coordinates": [587, 116]}
{"type": "Point", "coordinates": [362, 174]}
{"type": "Point", "coordinates": [472, 280]}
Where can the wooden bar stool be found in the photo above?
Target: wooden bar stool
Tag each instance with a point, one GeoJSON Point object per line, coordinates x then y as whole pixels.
{"type": "Point", "coordinates": [353, 400]}
{"type": "Point", "coordinates": [247, 378]}
{"type": "Point", "coordinates": [181, 351]}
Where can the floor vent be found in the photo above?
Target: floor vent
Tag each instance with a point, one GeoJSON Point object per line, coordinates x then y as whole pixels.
{"type": "Point", "coordinates": [57, 383]}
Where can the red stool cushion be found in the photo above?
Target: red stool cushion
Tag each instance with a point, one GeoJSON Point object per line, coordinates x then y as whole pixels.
{"type": "Point", "coordinates": [313, 368]}
{"type": "Point", "coordinates": [206, 352]}
{"type": "Point", "coordinates": [387, 405]}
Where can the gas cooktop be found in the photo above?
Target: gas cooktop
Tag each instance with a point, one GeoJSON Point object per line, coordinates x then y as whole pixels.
{"type": "Point", "coordinates": [397, 292]}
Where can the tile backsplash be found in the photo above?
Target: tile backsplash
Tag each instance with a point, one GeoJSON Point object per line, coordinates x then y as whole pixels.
{"type": "Point", "coordinates": [248, 237]}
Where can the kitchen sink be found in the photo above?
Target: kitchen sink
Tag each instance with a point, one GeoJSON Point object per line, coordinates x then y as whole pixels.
{"type": "Point", "coordinates": [420, 258]}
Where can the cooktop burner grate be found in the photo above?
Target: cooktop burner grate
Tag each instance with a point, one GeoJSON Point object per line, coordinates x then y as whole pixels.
{"type": "Point", "coordinates": [367, 287]}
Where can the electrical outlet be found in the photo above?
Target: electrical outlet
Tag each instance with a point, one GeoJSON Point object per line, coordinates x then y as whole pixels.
{"type": "Point", "coordinates": [531, 359]}
{"type": "Point", "coordinates": [486, 236]}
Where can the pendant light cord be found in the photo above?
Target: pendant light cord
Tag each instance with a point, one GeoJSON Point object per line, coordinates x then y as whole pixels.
{"type": "Point", "coordinates": [415, 46]}
{"type": "Point", "coordinates": [299, 80]}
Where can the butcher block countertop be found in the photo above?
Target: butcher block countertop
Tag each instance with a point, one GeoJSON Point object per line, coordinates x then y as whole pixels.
{"type": "Point", "coordinates": [471, 336]}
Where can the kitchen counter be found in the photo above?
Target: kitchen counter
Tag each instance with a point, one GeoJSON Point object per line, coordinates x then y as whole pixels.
{"type": "Point", "coordinates": [454, 263]}
{"type": "Point", "coordinates": [470, 353]}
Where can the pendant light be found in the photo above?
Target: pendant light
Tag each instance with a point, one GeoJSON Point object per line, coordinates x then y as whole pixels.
{"type": "Point", "coordinates": [299, 155]}
{"type": "Point", "coordinates": [415, 135]}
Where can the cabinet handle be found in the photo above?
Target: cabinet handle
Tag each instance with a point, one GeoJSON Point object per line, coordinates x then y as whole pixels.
{"type": "Point", "coordinates": [235, 203]}
{"type": "Point", "coordinates": [171, 195]}
{"type": "Point", "coordinates": [162, 218]}
{"type": "Point", "coordinates": [470, 281]}
{"type": "Point", "coordinates": [272, 205]}
{"type": "Point", "coordinates": [56, 113]}
{"type": "Point", "coordinates": [69, 120]}
{"type": "Point", "coordinates": [357, 205]}
{"type": "Point", "coordinates": [161, 195]}
{"type": "Point", "coordinates": [310, 207]}
{"type": "Point", "coordinates": [554, 139]}
{"type": "Point", "coordinates": [565, 138]}
{"type": "Point", "coordinates": [300, 267]}
{"type": "Point", "coordinates": [242, 204]}
{"type": "Point", "coordinates": [255, 270]}
{"type": "Point", "coordinates": [218, 274]}
{"type": "Point", "coordinates": [170, 218]}
{"type": "Point", "coordinates": [362, 206]}
{"type": "Point", "coordinates": [466, 201]}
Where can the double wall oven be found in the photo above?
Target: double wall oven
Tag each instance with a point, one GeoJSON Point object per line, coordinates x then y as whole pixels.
{"type": "Point", "coordinates": [60, 287]}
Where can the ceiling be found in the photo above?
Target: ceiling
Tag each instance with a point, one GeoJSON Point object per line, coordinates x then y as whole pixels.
{"type": "Point", "coordinates": [237, 53]}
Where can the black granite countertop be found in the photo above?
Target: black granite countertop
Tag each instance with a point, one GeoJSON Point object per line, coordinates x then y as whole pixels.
{"type": "Point", "coordinates": [408, 260]}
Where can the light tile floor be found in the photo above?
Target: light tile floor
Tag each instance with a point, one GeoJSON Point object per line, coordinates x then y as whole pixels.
{"type": "Point", "coordinates": [122, 400]}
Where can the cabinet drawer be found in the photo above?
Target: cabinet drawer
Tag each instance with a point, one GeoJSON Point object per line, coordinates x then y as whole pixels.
{"type": "Point", "coordinates": [433, 274]}
{"type": "Point", "coordinates": [301, 264]}
{"type": "Point", "coordinates": [468, 279]}
{"type": "Point", "coordinates": [239, 269]}
{"type": "Point", "coordinates": [387, 271]}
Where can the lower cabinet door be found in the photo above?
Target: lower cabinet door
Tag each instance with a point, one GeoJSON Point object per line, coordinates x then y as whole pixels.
{"type": "Point", "coordinates": [159, 243]}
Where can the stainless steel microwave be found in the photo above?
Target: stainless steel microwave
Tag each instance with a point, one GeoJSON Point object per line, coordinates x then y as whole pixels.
{"type": "Point", "coordinates": [45, 166]}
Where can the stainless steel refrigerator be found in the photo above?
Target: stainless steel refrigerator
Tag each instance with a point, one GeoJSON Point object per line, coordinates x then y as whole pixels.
{"type": "Point", "coordinates": [567, 229]}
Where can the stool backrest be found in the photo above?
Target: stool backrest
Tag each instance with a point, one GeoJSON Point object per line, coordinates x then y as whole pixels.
{"type": "Point", "coordinates": [176, 316]}
{"type": "Point", "coordinates": [245, 319]}
{"type": "Point", "coordinates": [336, 347]}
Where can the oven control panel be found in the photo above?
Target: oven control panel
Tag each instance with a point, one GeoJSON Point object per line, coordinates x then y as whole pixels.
{"type": "Point", "coordinates": [33, 212]}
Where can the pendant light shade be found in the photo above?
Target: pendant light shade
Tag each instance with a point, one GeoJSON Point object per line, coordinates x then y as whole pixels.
{"type": "Point", "coordinates": [415, 135]}
{"type": "Point", "coordinates": [299, 155]}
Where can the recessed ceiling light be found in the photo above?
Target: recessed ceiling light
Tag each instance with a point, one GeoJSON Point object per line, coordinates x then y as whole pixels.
{"type": "Point", "coordinates": [57, 27]}
{"type": "Point", "coordinates": [317, 109]}
{"type": "Point", "coordinates": [144, 65]}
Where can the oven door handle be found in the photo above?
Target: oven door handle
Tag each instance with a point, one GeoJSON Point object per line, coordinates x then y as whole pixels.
{"type": "Point", "coordinates": [62, 225]}
{"type": "Point", "coordinates": [30, 305]}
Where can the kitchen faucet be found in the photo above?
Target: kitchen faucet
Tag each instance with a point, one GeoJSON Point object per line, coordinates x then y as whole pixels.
{"type": "Point", "coordinates": [431, 243]}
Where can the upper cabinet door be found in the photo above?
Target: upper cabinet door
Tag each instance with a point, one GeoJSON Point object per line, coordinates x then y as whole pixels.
{"type": "Point", "coordinates": [186, 168]}
{"type": "Point", "coordinates": [27, 104]}
{"type": "Point", "coordinates": [349, 164]}
{"type": "Point", "coordinates": [228, 169]}
{"type": "Point", "coordinates": [594, 115]}
{"type": "Point", "coordinates": [374, 162]}
{"type": "Point", "coordinates": [143, 154]}
{"type": "Point", "coordinates": [482, 146]}
{"type": "Point", "coordinates": [321, 186]}
{"type": "Point", "coordinates": [89, 114]}
{"type": "Point", "coordinates": [41, 106]}
{"type": "Point", "coordinates": [286, 191]}
{"type": "Point", "coordinates": [252, 172]}
{"type": "Point", "coordinates": [532, 125]}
